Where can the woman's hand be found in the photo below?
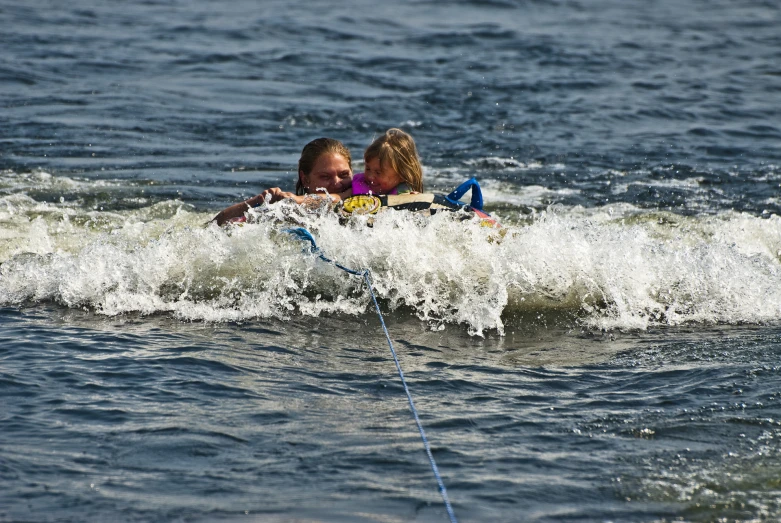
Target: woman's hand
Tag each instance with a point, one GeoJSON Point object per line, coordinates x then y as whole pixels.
{"type": "Point", "coordinates": [274, 195]}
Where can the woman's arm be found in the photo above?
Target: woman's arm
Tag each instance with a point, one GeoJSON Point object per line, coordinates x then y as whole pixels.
{"type": "Point", "coordinates": [238, 209]}
{"type": "Point", "coordinates": [342, 195]}
{"type": "Point", "coordinates": [272, 195]}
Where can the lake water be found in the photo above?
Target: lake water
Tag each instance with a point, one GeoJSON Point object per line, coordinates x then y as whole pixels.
{"type": "Point", "coordinates": [610, 355]}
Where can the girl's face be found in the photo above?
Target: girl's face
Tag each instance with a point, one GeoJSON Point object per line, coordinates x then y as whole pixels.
{"type": "Point", "coordinates": [330, 172]}
{"type": "Point", "coordinates": [381, 181]}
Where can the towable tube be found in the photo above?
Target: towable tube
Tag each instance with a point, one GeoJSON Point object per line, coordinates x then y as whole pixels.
{"type": "Point", "coordinates": [423, 203]}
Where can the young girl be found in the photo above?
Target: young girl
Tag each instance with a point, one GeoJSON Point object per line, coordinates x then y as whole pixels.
{"type": "Point", "coordinates": [392, 167]}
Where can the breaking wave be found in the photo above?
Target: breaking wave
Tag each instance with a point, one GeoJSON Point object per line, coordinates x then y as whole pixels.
{"type": "Point", "coordinates": [615, 267]}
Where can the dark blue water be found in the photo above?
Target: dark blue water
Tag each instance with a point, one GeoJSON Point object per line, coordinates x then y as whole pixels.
{"type": "Point", "coordinates": [611, 355]}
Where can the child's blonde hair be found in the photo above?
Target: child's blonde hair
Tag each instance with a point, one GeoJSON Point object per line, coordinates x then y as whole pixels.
{"type": "Point", "coordinates": [396, 149]}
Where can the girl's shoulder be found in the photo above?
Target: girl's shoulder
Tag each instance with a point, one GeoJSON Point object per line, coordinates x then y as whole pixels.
{"type": "Point", "coordinates": [359, 184]}
{"type": "Point", "coordinates": [402, 188]}
{"type": "Point", "coordinates": [361, 187]}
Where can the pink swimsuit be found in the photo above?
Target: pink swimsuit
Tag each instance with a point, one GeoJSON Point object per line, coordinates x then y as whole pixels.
{"type": "Point", "coordinates": [361, 187]}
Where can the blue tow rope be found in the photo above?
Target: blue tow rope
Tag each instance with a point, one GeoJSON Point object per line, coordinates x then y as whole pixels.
{"type": "Point", "coordinates": [304, 234]}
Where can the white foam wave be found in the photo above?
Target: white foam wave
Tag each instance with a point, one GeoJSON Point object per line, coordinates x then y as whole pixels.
{"type": "Point", "coordinates": [498, 162]}
{"type": "Point", "coordinates": [499, 193]}
{"type": "Point", "coordinates": [14, 182]}
{"type": "Point", "coordinates": [616, 267]}
{"type": "Point", "coordinates": [537, 196]}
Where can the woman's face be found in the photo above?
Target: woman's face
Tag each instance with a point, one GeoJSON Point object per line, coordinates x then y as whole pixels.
{"type": "Point", "coordinates": [330, 172]}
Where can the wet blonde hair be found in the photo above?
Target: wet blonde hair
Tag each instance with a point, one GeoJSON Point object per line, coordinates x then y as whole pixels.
{"type": "Point", "coordinates": [314, 150]}
{"type": "Point", "coordinates": [396, 149]}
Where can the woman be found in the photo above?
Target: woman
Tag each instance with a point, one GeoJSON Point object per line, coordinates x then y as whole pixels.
{"type": "Point", "coordinates": [325, 165]}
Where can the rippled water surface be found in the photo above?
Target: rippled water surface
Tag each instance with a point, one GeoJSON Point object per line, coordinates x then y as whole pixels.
{"type": "Point", "coordinates": [610, 354]}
